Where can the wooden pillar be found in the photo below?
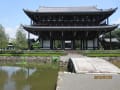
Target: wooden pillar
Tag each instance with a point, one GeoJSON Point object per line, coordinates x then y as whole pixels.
{"type": "Point", "coordinates": [86, 40]}
{"type": "Point", "coordinates": [62, 37]}
{"type": "Point", "coordinates": [93, 44]}
{"type": "Point", "coordinates": [86, 44]}
{"type": "Point", "coordinates": [73, 41]}
{"type": "Point", "coordinates": [53, 44]}
{"type": "Point", "coordinates": [28, 40]}
{"type": "Point", "coordinates": [110, 41]}
{"type": "Point", "coordinates": [42, 43]}
{"type": "Point", "coordinates": [80, 44]}
{"type": "Point", "coordinates": [51, 41]}
{"type": "Point", "coordinates": [98, 46]}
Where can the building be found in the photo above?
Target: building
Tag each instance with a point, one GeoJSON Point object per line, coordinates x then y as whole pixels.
{"type": "Point", "coordinates": [115, 43]}
{"type": "Point", "coordinates": [69, 27]}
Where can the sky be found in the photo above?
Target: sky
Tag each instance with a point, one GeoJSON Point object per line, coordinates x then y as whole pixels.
{"type": "Point", "coordinates": [12, 15]}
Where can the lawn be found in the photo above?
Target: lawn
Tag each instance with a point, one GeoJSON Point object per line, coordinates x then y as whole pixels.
{"type": "Point", "coordinates": [101, 53]}
{"type": "Point", "coordinates": [33, 53]}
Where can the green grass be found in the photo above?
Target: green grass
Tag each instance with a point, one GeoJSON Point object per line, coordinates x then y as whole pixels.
{"type": "Point", "coordinates": [31, 54]}
{"type": "Point", "coordinates": [101, 53]}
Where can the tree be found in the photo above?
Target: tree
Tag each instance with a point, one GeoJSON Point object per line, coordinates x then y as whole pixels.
{"type": "Point", "coordinates": [21, 40]}
{"type": "Point", "coordinates": [114, 34]}
{"type": "Point", "coordinates": [117, 33]}
{"type": "Point", "coordinates": [3, 38]}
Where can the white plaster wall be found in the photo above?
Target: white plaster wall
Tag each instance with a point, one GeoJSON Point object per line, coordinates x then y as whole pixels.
{"type": "Point", "coordinates": [46, 43]}
{"type": "Point", "coordinates": [95, 42]}
{"type": "Point", "coordinates": [90, 43]}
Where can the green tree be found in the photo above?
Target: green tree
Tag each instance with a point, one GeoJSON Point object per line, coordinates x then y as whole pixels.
{"type": "Point", "coordinates": [3, 38]}
{"type": "Point", "coordinates": [114, 34]}
{"type": "Point", "coordinates": [117, 33]}
{"type": "Point", "coordinates": [21, 40]}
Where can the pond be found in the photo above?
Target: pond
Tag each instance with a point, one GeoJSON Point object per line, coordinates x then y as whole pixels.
{"type": "Point", "coordinates": [22, 78]}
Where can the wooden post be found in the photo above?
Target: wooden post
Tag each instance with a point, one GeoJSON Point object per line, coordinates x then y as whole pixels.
{"type": "Point", "coordinates": [42, 43]}
{"type": "Point", "coordinates": [51, 41]}
{"type": "Point", "coordinates": [98, 42]}
{"type": "Point", "coordinates": [73, 41]}
{"type": "Point", "coordinates": [86, 40]}
{"type": "Point", "coordinates": [80, 44]}
{"type": "Point", "coordinates": [110, 41]}
{"type": "Point", "coordinates": [62, 34]}
{"type": "Point", "coordinates": [93, 44]}
{"type": "Point", "coordinates": [28, 40]}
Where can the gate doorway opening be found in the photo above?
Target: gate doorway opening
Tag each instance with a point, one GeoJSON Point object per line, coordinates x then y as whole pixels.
{"type": "Point", "coordinates": [68, 44]}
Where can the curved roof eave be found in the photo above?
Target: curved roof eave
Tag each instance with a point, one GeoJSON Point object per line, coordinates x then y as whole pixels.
{"type": "Point", "coordinates": [100, 11]}
{"type": "Point", "coordinates": [70, 28]}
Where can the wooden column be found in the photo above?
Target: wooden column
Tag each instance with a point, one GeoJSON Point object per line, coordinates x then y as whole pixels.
{"type": "Point", "coordinates": [62, 37]}
{"type": "Point", "coordinates": [86, 44]}
{"type": "Point", "coordinates": [110, 41]}
{"type": "Point", "coordinates": [93, 44]}
{"type": "Point", "coordinates": [98, 41]}
{"type": "Point", "coordinates": [83, 44]}
{"type": "Point", "coordinates": [53, 44]}
{"type": "Point", "coordinates": [51, 41]}
{"type": "Point", "coordinates": [73, 41]}
{"type": "Point", "coordinates": [28, 40]}
{"type": "Point", "coordinates": [42, 43]}
{"type": "Point", "coordinates": [80, 44]}
{"type": "Point", "coordinates": [86, 40]}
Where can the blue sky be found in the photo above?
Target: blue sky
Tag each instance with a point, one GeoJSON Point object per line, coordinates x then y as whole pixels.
{"type": "Point", "coordinates": [12, 15]}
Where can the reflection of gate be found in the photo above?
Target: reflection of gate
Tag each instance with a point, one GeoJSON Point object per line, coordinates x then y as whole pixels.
{"type": "Point", "coordinates": [68, 44]}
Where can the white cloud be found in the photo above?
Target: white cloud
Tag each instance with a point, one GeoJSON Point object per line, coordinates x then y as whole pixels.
{"type": "Point", "coordinates": [11, 31]}
{"type": "Point", "coordinates": [117, 21]}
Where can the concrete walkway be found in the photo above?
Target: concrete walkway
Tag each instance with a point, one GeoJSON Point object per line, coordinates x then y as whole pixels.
{"type": "Point", "coordinates": [70, 54]}
{"type": "Point", "coordinates": [91, 74]}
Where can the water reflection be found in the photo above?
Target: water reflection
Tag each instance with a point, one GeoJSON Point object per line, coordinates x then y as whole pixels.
{"type": "Point", "coordinates": [3, 78]}
{"type": "Point", "coordinates": [14, 78]}
{"type": "Point", "coordinates": [21, 78]}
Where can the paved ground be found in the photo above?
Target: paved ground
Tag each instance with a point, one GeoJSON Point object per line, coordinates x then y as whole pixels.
{"type": "Point", "coordinates": [70, 53]}
{"type": "Point", "coordinates": [87, 81]}
{"type": "Point", "coordinates": [71, 81]}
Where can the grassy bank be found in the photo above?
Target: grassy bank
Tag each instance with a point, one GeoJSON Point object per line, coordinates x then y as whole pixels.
{"type": "Point", "coordinates": [101, 53]}
{"type": "Point", "coordinates": [33, 53]}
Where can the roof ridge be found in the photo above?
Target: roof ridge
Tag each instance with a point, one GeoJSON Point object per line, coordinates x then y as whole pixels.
{"type": "Point", "coordinates": [66, 7]}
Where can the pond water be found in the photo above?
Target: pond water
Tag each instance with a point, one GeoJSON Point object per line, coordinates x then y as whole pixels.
{"type": "Point", "coordinates": [21, 78]}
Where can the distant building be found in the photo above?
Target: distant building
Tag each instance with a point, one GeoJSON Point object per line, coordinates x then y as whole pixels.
{"type": "Point", "coordinates": [114, 42]}
{"type": "Point", "coordinates": [71, 27]}
{"type": "Point", "coordinates": [10, 46]}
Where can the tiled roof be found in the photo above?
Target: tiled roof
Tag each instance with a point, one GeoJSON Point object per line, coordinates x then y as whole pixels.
{"type": "Point", "coordinates": [69, 9]}
{"type": "Point", "coordinates": [68, 28]}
